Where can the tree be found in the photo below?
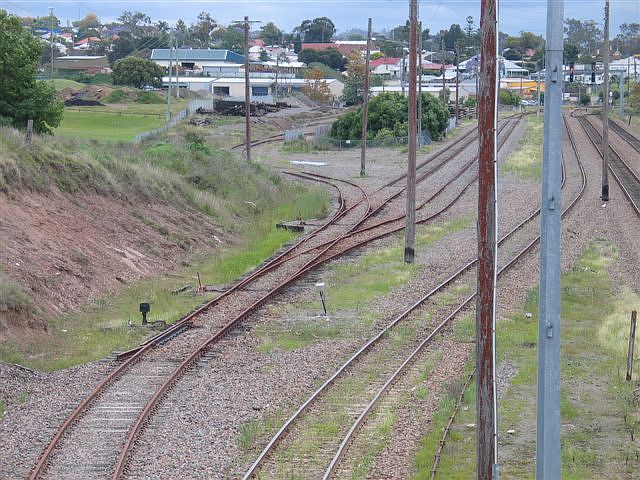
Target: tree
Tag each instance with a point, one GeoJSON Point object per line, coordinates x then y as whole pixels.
{"type": "Point", "coordinates": [629, 38]}
{"type": "Point", "coordinates": [388, 114]}
{"type": "Point", "coordinates": [264, 56]}
{"type": "Point", "coordinates": [44, 23]}
{"type": "Point", "coordinates": [353, 92]}
{"type": "Point", "coordinates": [330, 57]}
{"type": "Point", "coordinates": [507, 97]}
{"type": "Point", "coordinates": [134, 21]}
{"type": "Point", "coordinates": [233, 39]}
{"type": "Point", "coordinates": [586, 35]}
{"type": "Point", "coordinates": [137, 72]}
{"type": "Point", "coordinates": [318, 30]}
{"type": "Point", "coordinates": [21, 96]}
{"type": "Point", "coordinates": [571, 52]}
{"type": "Point", "coordinates": [204, 30]}
{"type": "Point", "coordinates": [634, 98]}
{"type": "Point", "coordinates": [316, 87]}
{"type": "Point", "coordinates": [270, 34]}
{"type": "Point", "coordinates": [121, 47]}
{"type": "Point", "coordinates": [89, 22]}
{"type": "Point", "coordinates": [452, 36]}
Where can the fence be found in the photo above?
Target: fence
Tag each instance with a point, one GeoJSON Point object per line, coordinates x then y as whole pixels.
{"type": "Point", "coordinates": [192, 106]}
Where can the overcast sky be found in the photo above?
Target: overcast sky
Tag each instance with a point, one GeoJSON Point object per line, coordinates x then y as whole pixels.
{"type": "Point", "coordinates": [515, 15]}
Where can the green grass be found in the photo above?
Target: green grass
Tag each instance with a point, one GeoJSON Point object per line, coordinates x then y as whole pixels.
{"type": "Point", "coordinates": [62, 83]}
{"type": "Point", "coordinates": [105, 126]}
{"type": "Point", "coordinates": [207, 180]}
{"type": "Point", "coordinates": [597, 407]}
{"type": "Point", "coordinates": [527, 160]}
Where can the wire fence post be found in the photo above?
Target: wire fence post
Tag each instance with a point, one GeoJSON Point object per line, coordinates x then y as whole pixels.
{"type": "Point", "coordinates": [632, 336]}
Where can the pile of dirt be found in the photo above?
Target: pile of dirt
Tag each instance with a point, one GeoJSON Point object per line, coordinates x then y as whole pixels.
{"type": "Point", "coordinates": [89, 92]}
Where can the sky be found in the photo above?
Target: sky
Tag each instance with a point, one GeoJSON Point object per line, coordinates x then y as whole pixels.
{"type": "Point", "coordinates": [514, 15]}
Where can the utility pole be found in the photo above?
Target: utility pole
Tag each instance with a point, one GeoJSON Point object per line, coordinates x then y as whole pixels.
{"type": "Point", "coordinates": [410, 225]}
{"type": "Point", "coordinates": [605, 109]}
{"type": "Point", "coordinates": [621, 94]}
{"type": "Point", "coordinates": [538, 93]}
{"type": "Point", "coordinates": [486, 408]}
{"type": "Point", "coordinates": [365, 106]}
{"type": "Point", "coordinates": [420, 85]}
{"type": "Point", "coordinates": [548, 403]}
{"type": "Point", "coordinates": [457, 87]}
{"type": "Point", "coordinates": [247, 96]}
{"type": "Point", "coordinates": [444, 83]}
{"type": "Point", "coordinates": [170, 78]}
{"type": "Point", "coordinates": [51, 39]}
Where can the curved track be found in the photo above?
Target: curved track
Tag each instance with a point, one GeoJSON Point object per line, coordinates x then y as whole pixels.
{"type": "Point", "coordinates": [348, 368]}
{"type": "Point", "coordinates": [146, 365]}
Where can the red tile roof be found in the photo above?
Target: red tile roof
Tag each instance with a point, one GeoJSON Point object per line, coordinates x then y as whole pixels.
{"type": "Point", "coordinates": [383, 61]}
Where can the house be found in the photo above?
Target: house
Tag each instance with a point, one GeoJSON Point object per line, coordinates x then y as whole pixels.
{"type": "Point", "coordinates": [336, 87]}
{"type": "Point", "coordinates": [85, 63]}
{"type": "Point", "coordinates": [345, 48]}
{"type": "Point", "coordinates": [200, 60]}
{"type": "Point", "coordinates": [388, 67]}
{"type": "Point", "coordinates": [87, 43]}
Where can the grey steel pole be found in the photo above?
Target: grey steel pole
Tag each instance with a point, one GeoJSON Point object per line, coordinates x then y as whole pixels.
{"type": "Point", "coordinates": [605, 109]}
{"type": "Point", "coordinates": [548, 403]}
{"type": "Point", "coordinates": [420, 85]}
{"type": "Point", "coordinates": [365, 106]}
{"type": "Point", "coordinates": [538, 94]}
{"type": "Point", "coordinates": [486, 468]}
{"type": "Point", "coordinates": [410, 225]}
{"type": "Point", "coordinates": [247, 96]}
{"type": "Point", "coordinates": [457, 87]}
{"type": "Point", "coordinates": [404, 67]}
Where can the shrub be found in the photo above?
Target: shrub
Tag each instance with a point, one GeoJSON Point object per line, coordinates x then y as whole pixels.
{"type": "Point", "coordinates": [149, 97]}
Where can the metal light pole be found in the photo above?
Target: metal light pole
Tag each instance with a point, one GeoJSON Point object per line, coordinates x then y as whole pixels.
{"type": "Point", "coordinates": [548, 403]}
{"type": "Point", "coordinates": [410, 225]}
{"type": "Point", "coordinates": [486, 408]}
{"type": "Point", "coordinates": [170, 79]}
{"type": "Point", "coordinates": [365, 106]}
{"type": "Point", "coordinates": [605, 109]}
{"type": "Point", "coordinates": [457, 87]}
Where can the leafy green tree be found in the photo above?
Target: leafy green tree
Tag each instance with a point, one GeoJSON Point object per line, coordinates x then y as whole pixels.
{"type": "Point", "coordinates": [353, 93]}
{"type": "Point", "coordinates": [134, 21]}
{"type": "Point", "coordinates": [330, 57]}
{"type": "Point", "coordinates": [121, 47]}
{"type": "Point", "coordinates": [136, 72]}
{"type": "Point", "coordinates": [571, 52]}
{"type": "Point", "coordinates": [318, 30]}
{"type": "Point", "coordinates": [634, 98]}
{"type": "Point", "coordinates": [507, 97]}
{"type": "Point", "coordinates": [233, 39]}
{"type": "Point", "coordinates": [89, 22]}
{"type": "Point", "coordinates": [271, 34]}
{"type": "Point", "coordinates": [388, 113]}
{"type": "Point", "coordinates": [21, 95]}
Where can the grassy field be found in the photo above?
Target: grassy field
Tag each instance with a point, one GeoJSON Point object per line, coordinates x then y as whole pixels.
{"type": "Point", "coordinates": [100, 125]}
{"type": "Point", "coordinates": [599, 416]}
{"type": "Point", "coordinates": [62, 83]}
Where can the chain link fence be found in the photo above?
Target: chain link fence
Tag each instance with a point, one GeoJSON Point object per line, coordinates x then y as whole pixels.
{"type": "Point", "coordinates": [191, 109]}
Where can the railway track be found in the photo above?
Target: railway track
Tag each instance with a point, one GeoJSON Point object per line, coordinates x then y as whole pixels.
{"type": "Point", "coordinates": [115, 408]}
{"type": "Point", "coordinates": [623, 173]}
{"type": "Point", "coordinates": [630, 138]}
{"type": "Point", "coordinates": [321, 456]}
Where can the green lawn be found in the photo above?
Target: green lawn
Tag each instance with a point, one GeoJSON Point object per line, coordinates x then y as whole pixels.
{"type": "Point", "coordinates": [62, 83]}
{"type": "Point", "coordinates": [106, 126]}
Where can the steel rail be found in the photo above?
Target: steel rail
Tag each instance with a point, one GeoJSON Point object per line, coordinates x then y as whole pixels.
{"type": "Point", "coordinates": [122, 461]}
{"type": "Point", "coordinates": [135, 355]}
{"type": "Point", "coordinates": [278, 436]}
{"type": "Point", "coordinates": [152, 403]}
{"type": "Point", "coordinates": [625, 176]}
{"type": "Point", "coordinates": [409, 360]}
{"type": "Point", "coordinates": [626, 135]}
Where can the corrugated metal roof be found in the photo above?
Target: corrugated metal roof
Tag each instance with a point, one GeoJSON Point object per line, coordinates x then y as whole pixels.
{"type": "Point", "coordinates": [198, 54]}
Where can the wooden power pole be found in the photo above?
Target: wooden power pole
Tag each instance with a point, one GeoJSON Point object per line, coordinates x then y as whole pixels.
{"type": "Point", "coordinates": [365, 106]}
{"type": "Point", "coordinates": [605, 108]}
{"type": "Point", "coordinates": [487, 215]}
{"type": "Point", "coordinates": [247, 93]}
{"type": "Point", "coordinates": [410, 226]}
